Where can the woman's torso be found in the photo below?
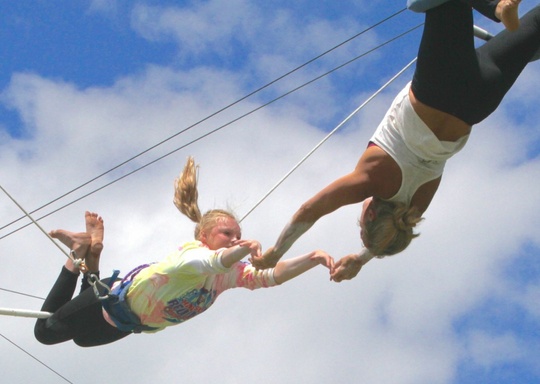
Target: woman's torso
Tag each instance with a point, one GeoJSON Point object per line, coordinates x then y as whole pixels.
{"type": "Point", "coordinates": [443, 125]}
{"type": "Point", "coordinates": [414, 141]}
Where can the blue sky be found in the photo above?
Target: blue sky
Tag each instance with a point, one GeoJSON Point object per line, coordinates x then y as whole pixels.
{"type": "Point", "coordinates": [71, 42]}
{"type": "Point", "coordinates": [85, 85]}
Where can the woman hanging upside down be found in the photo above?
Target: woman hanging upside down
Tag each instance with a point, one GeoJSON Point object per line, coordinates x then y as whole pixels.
{"type": "Point", "coordinates": [454, 87]}
{"type": "Point", "coordinates": [161, 294]}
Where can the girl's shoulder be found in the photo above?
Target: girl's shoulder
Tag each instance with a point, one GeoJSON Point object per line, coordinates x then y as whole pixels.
{"type": "Point", "coordinates": [190, 244]}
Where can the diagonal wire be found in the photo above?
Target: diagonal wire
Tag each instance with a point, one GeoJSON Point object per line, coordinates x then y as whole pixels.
{"type": "Point", "coordinates": [209, 133]}
{"type": "Point", "coordinates": [21, 293]}
{"type": "Point", "coordinates": [328, 136]}
{"type": "Point", "coordinates": [214, 130]}
{"type": "Point", "coordinates": [36, 359]}
{"type": "Point", "coordinates": [156, 145]}
{"type": "Point", "coordinates": [34, 221]}
{"type": "Point", "coordinates": [208, 117]}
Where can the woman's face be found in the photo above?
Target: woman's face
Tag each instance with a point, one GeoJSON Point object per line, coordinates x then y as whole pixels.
{"type": "Point", "coordinates": [222, 234]}
{"type": "Point", "coordinates": [368, 214]}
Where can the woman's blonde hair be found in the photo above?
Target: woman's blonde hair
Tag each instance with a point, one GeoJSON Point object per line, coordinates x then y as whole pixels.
{"type": "Point", "coordinates": [391, 231]}
{"type": "Point", "coordinates": [186, 198]}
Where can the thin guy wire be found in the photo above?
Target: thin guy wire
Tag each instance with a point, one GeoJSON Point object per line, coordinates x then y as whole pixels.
{"type": "Point", "coordinates": [36, 359]}
{"type": "Point", "coordinates": [327, 137]}
{"type": "Point", "coordinates": [213, 131]}
{"type": "Point", "coordinates": [36, 223]}
{"type": "Point", "coordinates": [207, 117]}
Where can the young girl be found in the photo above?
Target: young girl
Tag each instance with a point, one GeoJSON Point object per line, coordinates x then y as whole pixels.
{"type": "Point", "coordinates": [454, 87]}
{"type": "Point", "coordinates": [161, 294]}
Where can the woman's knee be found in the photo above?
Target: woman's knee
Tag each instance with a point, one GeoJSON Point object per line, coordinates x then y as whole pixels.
{"type": "Point", "coordinates": [536, 13]}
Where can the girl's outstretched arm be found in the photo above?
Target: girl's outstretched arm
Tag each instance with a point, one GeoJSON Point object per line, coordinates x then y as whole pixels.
{"type": "Point", "coordinates": [290, 268]}
{"type": "Point", "coordinates": [241, 249]}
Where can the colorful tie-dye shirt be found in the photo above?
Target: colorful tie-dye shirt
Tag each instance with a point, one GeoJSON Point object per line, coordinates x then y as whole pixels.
{"type": "Point", "coordinates": [186, 283]}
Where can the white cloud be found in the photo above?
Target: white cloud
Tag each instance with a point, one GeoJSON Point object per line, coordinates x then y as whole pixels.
{"type": "Point", "coordinates": [393, 324]}
{"type": "Point", "coordinates": [207, 25]}
{"type": "Point", "coordinates": [489, 350]}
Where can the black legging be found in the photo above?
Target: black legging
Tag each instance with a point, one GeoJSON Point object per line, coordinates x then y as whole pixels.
{"type": "Point", "coordinates": [454, 77]}
{"type": "Point", "coordinates": [79, 319]}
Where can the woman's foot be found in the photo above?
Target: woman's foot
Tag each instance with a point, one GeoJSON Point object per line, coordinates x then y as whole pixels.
{"type": "Point", "coordinates": [507, 13]}
{"type": "Point", "coordinates": [95, 229]}
{"type": "Point", "coordinates": [78, 242]}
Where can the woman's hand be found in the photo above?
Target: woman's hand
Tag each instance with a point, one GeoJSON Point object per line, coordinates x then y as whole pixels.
{"type": "Point", "coordinates": [346, 268]}
{"type": "Point", "coordinates": [268, 260]}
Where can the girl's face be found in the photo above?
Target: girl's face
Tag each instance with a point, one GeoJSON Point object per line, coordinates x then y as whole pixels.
{"type": "Point", "coordinates": [222, 235]}
{"type": "Point", "coordinates": [368, 214]}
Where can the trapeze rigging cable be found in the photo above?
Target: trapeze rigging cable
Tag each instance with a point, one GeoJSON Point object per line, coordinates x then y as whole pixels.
{"type": "Point", "coordinates": [276, 185]}
{"type": "Point", "coordinates": [38, 314]}
{"type": "Point", "coordinates": [43, 315]}
{"type": "Point", "coordinates": [279, 182]}
{"type": "Point", "coordinates": [192, 126]}
{"type": "Point", "coordinates": [208, 133]}
{"type": "Point", "coordinates": [26, 214]}
{"type": "Point", "coordinates": [36, 359]}
{"type": "Point", "coordinates": [3, 311]}
{"type": "Point", "coordinates": [22, 294]}
{"type": "Point", "coordinates": [29, 313]}
{"type": "Point", "coordinates": [478, 32]}
{"type": "Point", "coordinates": [328, 136]}
{"type": "Point", "coordinates": [79, 263]}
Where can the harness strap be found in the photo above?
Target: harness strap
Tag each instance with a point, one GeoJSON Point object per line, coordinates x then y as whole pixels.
{"type": "Point", "coordinates": [113, 300]}
{"type": "Point", "coordinates": [134, 272]}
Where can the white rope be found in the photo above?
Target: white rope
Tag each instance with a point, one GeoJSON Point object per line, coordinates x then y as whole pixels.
{"type": "Point", "coordinates": [328, 136]}
{"type": "Point", "coordinates": [79, 263]}
{"type": "Point", "coordinates": [478, 32]}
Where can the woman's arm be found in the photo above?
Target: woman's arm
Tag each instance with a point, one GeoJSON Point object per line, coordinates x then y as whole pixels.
{"type": "Point", "coordinates": [376, 174]}
{"type": "Point", "coordinates": [288, 269]}
{"type": "Point", "coordinates": [349, 189]}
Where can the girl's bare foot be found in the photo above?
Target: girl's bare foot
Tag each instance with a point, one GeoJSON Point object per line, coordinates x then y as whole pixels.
{"type": "Point", "coordinates": [78, 242]}
{"type": "Point", "coordinates": [507, 13]}
{"type": "Point", "coordinates": [95, 229]}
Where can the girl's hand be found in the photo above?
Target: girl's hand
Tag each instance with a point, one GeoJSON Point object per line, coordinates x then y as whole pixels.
{"type": "Point", "coordinates": [324, 259]}
{"type": "Point", "coordinates": [253, 245]}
